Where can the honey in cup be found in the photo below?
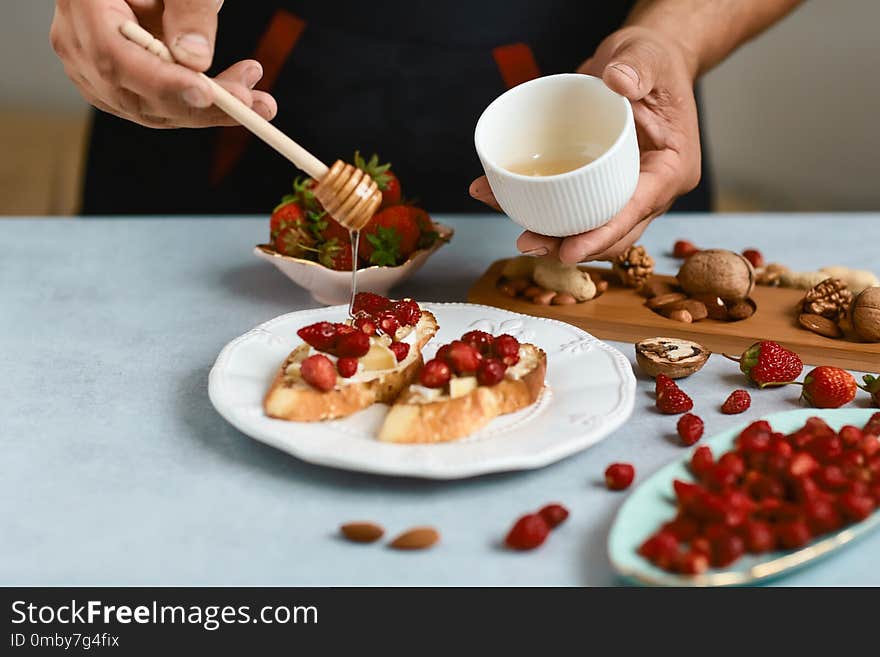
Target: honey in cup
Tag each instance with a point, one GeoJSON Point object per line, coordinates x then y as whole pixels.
{"type": "Point", "coordinates": [535, 140]}
{"type": "Point", "coordinates": [549, 164]}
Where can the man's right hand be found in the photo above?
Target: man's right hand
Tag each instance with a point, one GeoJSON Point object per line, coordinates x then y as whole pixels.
{"type": "Point", "coordinates": [119, 77]}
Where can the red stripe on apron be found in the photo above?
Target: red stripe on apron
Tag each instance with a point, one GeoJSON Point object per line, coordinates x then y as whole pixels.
{"type": "Point", "coordinates": [516, 63]}
{"type": "Point", "coordinates": [272, 51]}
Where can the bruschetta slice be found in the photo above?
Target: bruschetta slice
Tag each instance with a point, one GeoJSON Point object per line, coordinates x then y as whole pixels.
{"type": "Point", "coordinates": [469, 383]}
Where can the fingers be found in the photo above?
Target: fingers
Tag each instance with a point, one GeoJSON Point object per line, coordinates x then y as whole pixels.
{"type": "Point", "coordinates": [481, 191]}
{"type": "Point", "coordinates": [532, 244]}
{"type": "Point", "coordinates": [650, 199]}
{"type": "Point", "coordinates": [190, 27]}
{"type": "Point", "coordinates": [633, 68]}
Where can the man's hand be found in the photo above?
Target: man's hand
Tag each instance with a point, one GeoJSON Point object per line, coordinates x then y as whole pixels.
{"type": "Point", "coordinates": [657, 75]}
{"type": "Point", "coordinates": [122, 78]}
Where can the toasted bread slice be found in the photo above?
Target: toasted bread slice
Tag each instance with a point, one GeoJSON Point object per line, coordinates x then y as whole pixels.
{"type": "Point", "coordinates": [418, 416]}
{"type": "Point", "coordinates": [291, 398]}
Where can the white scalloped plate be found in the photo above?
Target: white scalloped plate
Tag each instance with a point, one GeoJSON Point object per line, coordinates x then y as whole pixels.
{"type": "Point", "coordinates": [590, 393]}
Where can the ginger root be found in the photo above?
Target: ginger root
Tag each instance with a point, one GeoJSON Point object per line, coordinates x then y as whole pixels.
{"type": "Point", "coordinates": [551, 274]}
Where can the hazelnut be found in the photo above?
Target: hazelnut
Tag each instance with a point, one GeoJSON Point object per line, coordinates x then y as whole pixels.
{"type": "Point", "coordinates": [719, 273]}
{"type": "Point", "coordinates": [865, 314]}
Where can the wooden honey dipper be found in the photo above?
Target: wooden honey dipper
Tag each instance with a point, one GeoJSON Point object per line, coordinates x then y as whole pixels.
{"type": "Point", "coordinates": [348, 194]}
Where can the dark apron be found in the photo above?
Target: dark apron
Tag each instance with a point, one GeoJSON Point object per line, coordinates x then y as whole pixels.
{"type": "Point", "coordinates": [407, 79]}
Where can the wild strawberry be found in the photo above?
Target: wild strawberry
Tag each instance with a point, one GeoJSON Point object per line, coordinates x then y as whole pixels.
{"type": "Point", "coordinates": [850, 436]}
{"type": "Point", "coordinates": [407, 312]}
{"type": "Point", "coordinates": [506, 347]}
{"type": "Point", "coordinates": [683, 249]}
{"type": "Point", "coordinates": [793, 534]}
{"type": "Point", "coordinates": [769, 363]}
{"type": "Point", "coordinates": [388, 323]}
{"type": "Point", "coordinates": [733, 462]}
{"type": "Point", "coordinates": [831, 477]}
{"type": "Point", "coordinates": [855, 507]}
{"type": "Point", "coordinates": [872, 386]}
{"type": "Point", "coordinates": [759, 537]}
{"type": "Point", "coordinates": [480, 340]}
{"type": "Point", "coordinates": [802, 464]}
{"type": "Point", "coordinates": [829, 387]}
{"type": "Point", "coordinates": [684, 528]}
{"type": "Point", "coordinates": [738, 402]}
{"type": "Point", "coordinates": [385, 179]}
{"type": "Point", "coordinates": [726, 548]}
{"type": "Point", "coordinates": [322, 336]}
{"type": "Point", "coordinates": [463, 358]}
{"type": "Point", "coordinates": [619, 476]}
{"type": "Point", "coordinates": [400, 349]}
{"type": "Point", "coordinates": [671, 399]}
{"type": "Point", "coordinates": [821, 516]}
{"type": "Point", "coordinates": [435, 374]}
{"type": "Point", "coordinates": [490, 372]}
{"type": "Point", "coordinates": [528, 532]}
{"type": "Point", "coordinates": [554, 515]}
{"type": "Point", "coordinates": [701, 460]}
{"type": "Point", "coordinates": [690, 428]}
{"type": "Point", "coordinates": [365, 324]}
{"type": "Point", "coordinates": [662, 546]}
{"type": "Point", "coordinates": [352, 345]}
{"type": "Point", "coordinates": [372, 304]}
{"type": "Point", "coordinates": [318, 371]}
{"type": "Point", "coordinates": [692, 562]}
{"type": "Point", "coordinates": [873, 425]}
{"type": "Point", "coordinates": [347, 367]}
{"type": "Point", "coordinates": [390, 237]}
{"type": "Point", "coordinates": [755, 257]}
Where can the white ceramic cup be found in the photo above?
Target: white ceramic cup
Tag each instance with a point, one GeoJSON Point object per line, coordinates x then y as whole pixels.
{"type": "Point", "coordinates": [568, 115]}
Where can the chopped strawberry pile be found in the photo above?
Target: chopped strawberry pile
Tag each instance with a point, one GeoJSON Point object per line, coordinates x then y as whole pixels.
{"type": "Point", "coordinates": [301, 228]}
{"type": "Point", "coordinates": [478, 354]}
{"type": "Point", "coordinates": [772, 491]}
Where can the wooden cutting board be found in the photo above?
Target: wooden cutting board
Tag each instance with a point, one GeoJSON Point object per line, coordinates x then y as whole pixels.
{"type": "Point", "coordinates": [620, 314]}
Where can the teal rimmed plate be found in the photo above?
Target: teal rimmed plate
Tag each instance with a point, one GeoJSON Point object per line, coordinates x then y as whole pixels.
{"type": "Point", "coordinates": [653, 503]}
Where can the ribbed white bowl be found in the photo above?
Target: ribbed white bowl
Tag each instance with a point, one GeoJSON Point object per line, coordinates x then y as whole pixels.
{"type": "Point", "coordinates": [564, 112]}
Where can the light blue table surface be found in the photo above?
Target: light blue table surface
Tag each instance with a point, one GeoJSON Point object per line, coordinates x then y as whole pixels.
{"type": "Point", "coordinates": [115, 468]}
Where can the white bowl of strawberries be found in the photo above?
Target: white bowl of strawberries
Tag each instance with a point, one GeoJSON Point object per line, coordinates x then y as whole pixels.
{"type": "Point", "coordinates": [314, 250]}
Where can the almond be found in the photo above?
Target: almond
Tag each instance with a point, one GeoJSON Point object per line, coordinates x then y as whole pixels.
{"type": "Point", "coordinates": [417, 538]}
{"type": "Point", "coordinates": [362, 532]}
{"type": "Point", "coordinates": [663, 299]}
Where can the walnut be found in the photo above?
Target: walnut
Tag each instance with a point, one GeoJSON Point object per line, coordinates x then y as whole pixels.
{"type": "Point", "coordinates": [830, 299]}
{"type": "Point", "coordinates": [770, 274]}
{"type": "Point", "coordinates": [866, 314]}
{"type": "Point", "coordinates": [718, 273]}
{"type": "Point", "coordinates": [634, 267]}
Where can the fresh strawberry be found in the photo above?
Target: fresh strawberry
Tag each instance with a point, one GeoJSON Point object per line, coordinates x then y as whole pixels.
{"type": "Point", "coordinates": [769, 363]}
{"type": "Point", "coordinates": [388, 323]}
{"type": "Point", "coordinates": [690, 428]}
{"type": "Point", "coordinates": [372, 304]}
{"type": "Point", "coordinates": [528, 532]}
{"type": "Point", "coordinates": [671, 399]}
{"type": "Point", "coordinates": [829, 387]}
{"type": "Point", "coordinates": [390, 237]}
{"type": "Point", "coordinates": [400, 349]}
{"type": "Point", "coordinates": [382, 175]}
{"type": "Point", "coordinates": [428, 231]}
{"type": "Point", "coordinates": [435, 374]}
{"type": "Point", "coordinates": [365, 324]}
{"type": "Point", "coordinates": [754, 256]}
{"type": "Point", "coordinates": [506, 347]}
{"type": "Point", "coordinates": [352, 345]}
{"type": "Point", "coordinates": [336, 255]}
{"type": "Point", "coordinates": [326, 228]}
{"type": "Point", "coordinates": [554, 515]}
{"type": "Point", "coordinates": [480, 340]}
{"type": "Point", "coordinates": [318, 371]}
{"type": "Point", "coordinates": [490, 372]}
{"type": "Point", "coordinates": [287, 213]}
{"type": "Point", "coordinates": [738, 402]}
{"type": "Point", "coordinates": [462, 357]}
{"type": "Point", "coordinates": [872, 386]}
{"type": "Point", "coordinates": [407, 312]}
{"type": "Point", "coordinates": [347, 367]}
{"type": "Point", "coordinates": [322, 336]}
{"type": "Point", "coordinates": [683, 249]}
{"type": "Point", "coordinates": [873, 425]}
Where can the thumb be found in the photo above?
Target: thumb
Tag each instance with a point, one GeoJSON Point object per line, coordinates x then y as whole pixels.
{"type": "Point", "coordinates": [633, 68]}
{"type": "Point", "coordinates": [190, 27]}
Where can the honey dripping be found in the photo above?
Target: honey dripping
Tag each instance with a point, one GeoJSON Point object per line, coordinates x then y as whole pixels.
{"type": "Point", "coordinates": [354, 237]}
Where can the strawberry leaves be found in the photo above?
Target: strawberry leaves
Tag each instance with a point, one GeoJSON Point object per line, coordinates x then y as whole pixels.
{"type": "Point", "coordinates": [386, 246]}
{"type": "Point", "coordinates": [378, 172]}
